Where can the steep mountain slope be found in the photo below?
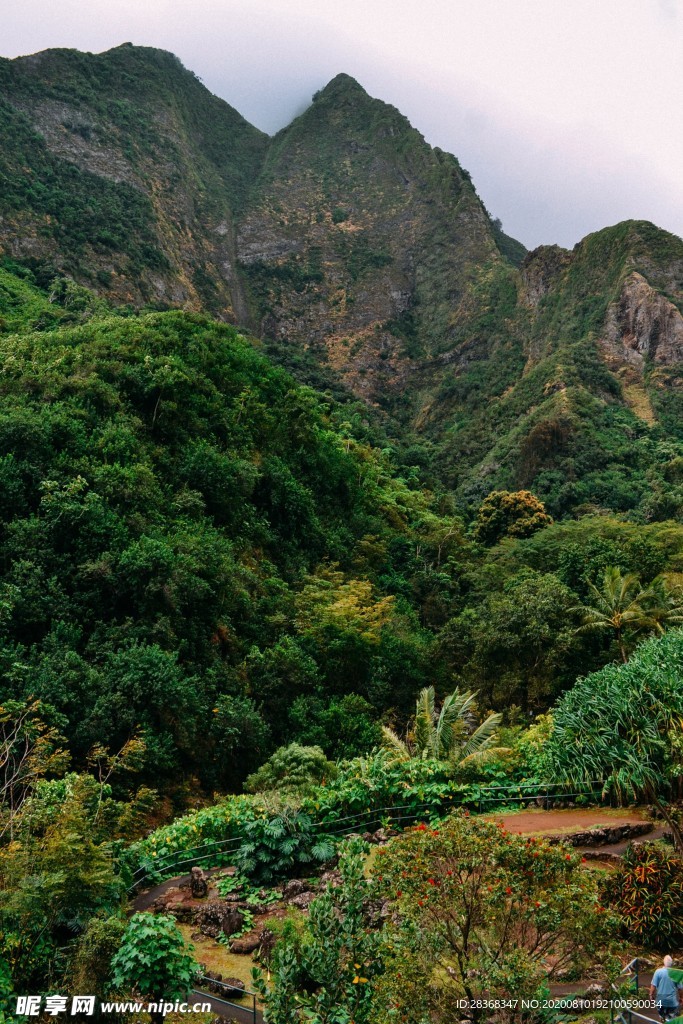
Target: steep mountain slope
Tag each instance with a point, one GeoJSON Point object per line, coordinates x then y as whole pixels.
{"type": "Point", "coordinates": [601, 332]}
{"type": "Point", "coordinates": [364, 243]}
{"type": "Point", "coordinates": [366, 261]}
{"type": "Point", "coordinates": [122, 170]}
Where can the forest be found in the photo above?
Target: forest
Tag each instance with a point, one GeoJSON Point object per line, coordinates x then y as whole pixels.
{"type": "Point", "coordinates": [235, 612]}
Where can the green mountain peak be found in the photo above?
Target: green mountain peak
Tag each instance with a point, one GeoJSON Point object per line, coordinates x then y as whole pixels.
{"type": "Point", "coordinates": [342, 84]}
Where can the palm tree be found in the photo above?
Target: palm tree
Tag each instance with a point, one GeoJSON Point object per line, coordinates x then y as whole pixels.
{"type": "Point", "coordinates": [622, 604]}
{"type": "Point", "coordinates": [619, 605]}
{"type": "Point", "coordinates": [451, 734]}
{"type": "Point", "coordinates": [663, 601]}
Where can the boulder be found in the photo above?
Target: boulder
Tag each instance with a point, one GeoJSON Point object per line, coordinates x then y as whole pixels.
{"type": "Point", "coordinates": [219, 917]}
{"type": "Point", "coordinates": [332, 878]}
{"type": "Point", "coordinates": [247, 943]}
{"type": "Point", "coordinates": [226, 987]}
{"type": "Point", "coordinates": [294, 887]}
{"type": "Point", "coordinates": [302, 901]}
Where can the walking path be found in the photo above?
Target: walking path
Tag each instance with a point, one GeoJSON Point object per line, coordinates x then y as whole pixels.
{"type": "Point", "coordinates": [571, 820]}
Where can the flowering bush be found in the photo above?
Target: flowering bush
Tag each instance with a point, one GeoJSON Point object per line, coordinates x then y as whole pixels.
{"type": "Point", "coordinates": [483, 913]}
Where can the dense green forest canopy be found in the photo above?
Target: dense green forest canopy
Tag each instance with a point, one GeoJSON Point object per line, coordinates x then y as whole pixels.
{"type": "Point", "coordinates": [201, 551]}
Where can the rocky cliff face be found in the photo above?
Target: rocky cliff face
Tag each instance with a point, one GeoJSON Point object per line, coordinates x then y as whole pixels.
{"type": "Point", "coordinates": [362, 242]}
{"type": "Point", "coordinates": [643, 325]}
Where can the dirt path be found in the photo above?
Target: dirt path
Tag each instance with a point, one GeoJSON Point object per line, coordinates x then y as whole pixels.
{"type": "Point", "coordinates": [571, 820]}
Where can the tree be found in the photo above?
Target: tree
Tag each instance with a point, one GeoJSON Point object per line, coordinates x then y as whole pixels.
{"type": "Point", "coordinates": [293, 767]}
{"type": "Point", "coordinates": [29, 750]}
{"type": "Point", "coordinates": [520, 644]}
{"type": "Point", "coordinates": [153, 961]}
{"type": "Point", "coordinates": [623, 727]}
{"type": "Point", "coordinates": [509, 514]}
{"type": "Point", "coordinates": [480, 913]}
{"type": "Point", "coordinates": [663, 601]}
{"type": "Point", "coordinates": [619, 605]}
{"type": "Point", "coordinates": [451, 734]}
{"type": "Point", "coordinates": [623, 606]}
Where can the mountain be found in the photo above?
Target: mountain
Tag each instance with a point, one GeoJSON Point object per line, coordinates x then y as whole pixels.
{"type": "Point", "coordinates": [123, 171]}
{"type": "Point", "coordinates": [366, 262]}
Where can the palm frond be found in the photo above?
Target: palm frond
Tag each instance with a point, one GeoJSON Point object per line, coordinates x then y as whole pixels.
{"type": "Point", "coordinates": [394, 745]}
{"type": "Point", "coordinates": [483, 737]}
{"type": "Point", "coordinates": [424, 719]}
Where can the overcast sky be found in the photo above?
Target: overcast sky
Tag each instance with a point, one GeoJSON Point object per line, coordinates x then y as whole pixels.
{"type": "Point", "coordinates": [567, 113]}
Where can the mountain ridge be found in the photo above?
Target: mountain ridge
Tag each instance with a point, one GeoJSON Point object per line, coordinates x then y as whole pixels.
{"type": "Point", "coordinates": [362, 257]}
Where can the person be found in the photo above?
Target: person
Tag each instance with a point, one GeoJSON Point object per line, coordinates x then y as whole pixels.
{"type": "Point", "coordinates": [666, 991]}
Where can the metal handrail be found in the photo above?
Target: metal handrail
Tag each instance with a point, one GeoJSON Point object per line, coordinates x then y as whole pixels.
{"type": "Point", "coordinates": [541, 790]}
{"type": "Point", "coordinates": [228, 1002]}
{"type": "Point", "coordinates": [626, 1016]}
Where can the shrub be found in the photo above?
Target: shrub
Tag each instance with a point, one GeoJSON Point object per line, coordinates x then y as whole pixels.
{"type": "Point", "coordinates": [647, 893]}
{"type": "Point", "coordinates": [153, 960]}
{"type": "Point", "coordinates": [294, 767]}
{"type": "Point", "coordinates": [499, 913]}
{"type": "Point", "coordinates": [281, 846]}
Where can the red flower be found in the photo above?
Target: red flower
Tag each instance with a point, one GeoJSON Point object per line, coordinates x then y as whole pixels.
{"type": "Point", "coordinates": [508, 890]}
{"type": "Point", "coordinates": [568, 857]}
{"type": "Point", "coordinates": [421, 828]}
{"type": "Point", "coordinates": [398, 894]}
{"type": "Point", "coordinates": [420, 903]}
{"type": "Point", "coordinates": [431, 881]}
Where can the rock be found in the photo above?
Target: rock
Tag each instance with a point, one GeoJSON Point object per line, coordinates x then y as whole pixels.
{"type": "Point", "coordinates": [294, 887]}
{"type": "Point", "coordinates": [218, 917]}
{"type": "Point", "coordinates": [266, 945]}
{"type": "Point", "coordinates": [224, 986]}
{"type": "Point", "coordinates": [540, 270]}
{"type": "Point", "coordinates": [383, 835]}
{"type": "Point", "coordinates": [377, 911]}
{"type": "Point", "coordinates": [603, 836]}
{"type": "Point", "coordinates": [332, 878]}
{"type": "Point", "coordinates": [247, 943]}
{"type": "Point", "coordinates": [199, 886]}
{"type": "Point", "coordinates": [643, 324]}
{"type": "Point", "coordinates": [302, 901]}
{"type": "Point", "coordinates": [183, 913]}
